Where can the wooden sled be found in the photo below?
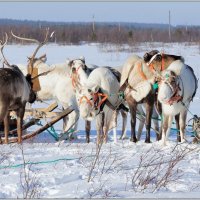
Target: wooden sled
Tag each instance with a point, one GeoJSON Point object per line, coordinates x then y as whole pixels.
{"type": "Point", "coordinates": [37, 114]}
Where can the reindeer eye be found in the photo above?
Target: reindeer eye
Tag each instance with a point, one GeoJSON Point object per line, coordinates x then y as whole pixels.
{"type": "Point", "coordinates": [73, 69]}
{"type": "Point", "coordinates": [89, 90]}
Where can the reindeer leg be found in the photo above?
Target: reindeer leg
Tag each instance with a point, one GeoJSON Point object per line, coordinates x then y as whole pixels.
{"type": "Point", "coordinates": [6, 126]}
{"type": "Point", "coordinates": [132, 107]}
{"type": "Point", "coordinates": [170, 119]}
{"type": "Point", "coordinates": [149, 111]}
{"type": "Point", "coordinates": [20, 116]}
{"type": "Point", "coordinates": [156, 127]}
{"type": "Point", "coordinates": [177, 118]}
{"type": "Point", "coordinates": [140, 128]}
{"type": "Point", "coordinates": [87, 128]}
{"type": "Point", "coordinates": [105, 134]}
{"type": "Point", "coordinates": [159, 110]}
{"type": "Point", "coordinates": [164, 129]}
{"type": "Point", "coordinates": [99, 127]}
{"type": "Point", "coordinates": [115, 114]}
{"type": "Point", "coordinates": [124, 118]}
{"type": "Point", "coordinates": [182, 121]}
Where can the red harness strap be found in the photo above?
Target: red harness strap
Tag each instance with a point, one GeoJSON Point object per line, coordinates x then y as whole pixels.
{"type": "Point", "coordinates": [88, 100]}
{"type": "Point", "coordinates": [95, 98]}
{"type": "Point", "coordinates": [73, 79]}
{"type": "Point", "coordinates": [175, 97]}
{"type": "Point", "coordinates": [162, 64]}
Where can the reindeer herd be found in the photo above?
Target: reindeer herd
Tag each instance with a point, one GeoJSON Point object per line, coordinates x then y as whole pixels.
{"type": "Point", "coordinates": [157, 84]}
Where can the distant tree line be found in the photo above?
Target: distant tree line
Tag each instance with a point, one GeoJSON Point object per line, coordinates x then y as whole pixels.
{"type": "Point", "coordinates": [115, 33]}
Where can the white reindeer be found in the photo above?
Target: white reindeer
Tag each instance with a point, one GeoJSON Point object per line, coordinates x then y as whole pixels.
{"type": "Point", "coordinates": [176, 90]}
{"type": "Point", "coordinates": [100, 86]}
{"type": "Point", "coordinates": [80, 75]}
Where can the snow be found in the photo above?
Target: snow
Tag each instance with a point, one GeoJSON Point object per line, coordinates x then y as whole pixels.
{"type": "Point", "coordinates": [62, 168]}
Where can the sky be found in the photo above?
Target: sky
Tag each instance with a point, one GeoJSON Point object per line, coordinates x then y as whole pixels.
{"type": "Point", "coordinates": [182, 13]}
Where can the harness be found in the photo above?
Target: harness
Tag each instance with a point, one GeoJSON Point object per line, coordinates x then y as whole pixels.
{"type": "Point", "coordinates": [141, 73]}
{"type": "Point", "coordinates": [95, 103]}
{"type": "Point", "coordinates": [75, 77]}
{"type": "Point", "coordinates": [176, 97]}
{"type": "Point", "coordinates": [99, 100]}
{"type": "Point", "coordinates": [150, 64]}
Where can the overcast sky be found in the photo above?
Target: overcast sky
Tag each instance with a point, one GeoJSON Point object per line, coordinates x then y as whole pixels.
{"type": "Point", "coordinates": [183, 13]}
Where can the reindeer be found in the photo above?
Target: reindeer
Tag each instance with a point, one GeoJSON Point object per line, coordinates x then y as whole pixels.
{"type": "Point", "coordinates": [80, 74]}
{"type": "Point", "coordinates": [138, 78]}
{"type": "Point", "coordinates": [56, 84]}
{"type": "Point", "coordinates": [98, 99]}
{"type": "Point", "coordinates": [159, 62]}
{"type": "Point", "coordinates": [16, 91]}
{"type": "Point", "coordinates": [177, 87]}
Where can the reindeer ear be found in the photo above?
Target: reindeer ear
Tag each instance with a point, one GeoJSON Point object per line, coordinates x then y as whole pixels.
{"type": "Point", "coordinates": [146, 57]}
{"type": "Point", "coordinates": [95, 89]}
{"type": "Point", "coordinates": [82, 58]}
{"type": "Point", "coordinates": [69, 62]}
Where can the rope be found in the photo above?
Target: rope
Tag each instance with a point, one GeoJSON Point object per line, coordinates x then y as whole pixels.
{"type": "Point", "coordinates": [36, 163]}
{"type": "Point", "coordinates": [175, 129]}
{"type": "Point", "coordinates": [53, 132]}
{"type": "Point", "coordinates": [46, 162]}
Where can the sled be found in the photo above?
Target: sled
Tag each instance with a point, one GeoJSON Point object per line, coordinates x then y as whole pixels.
{"type": "Point", "coordinates": [33, 117]}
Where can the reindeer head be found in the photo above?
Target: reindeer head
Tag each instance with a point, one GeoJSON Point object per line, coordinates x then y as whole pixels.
{"type": "Point", "coordinates": [78, 71]}
{"type": "Point", "coordinates": [160, 61]}
{"type": "Point", "coordinates": [33, 62]}
{"type": "Point", "coordinates": [169, 88]}
{"type": "Point", "coordinates": [88, 101]}
{"type": "Point", "coordinates": [32, 95]}
{"type": "Point", "coordinates": [37, 61]}
{"type": "Point", "coordinates": [77, 64]}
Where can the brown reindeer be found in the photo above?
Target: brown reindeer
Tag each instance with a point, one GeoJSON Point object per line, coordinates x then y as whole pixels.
{"type": "Point", "coordinates": [16, 91]}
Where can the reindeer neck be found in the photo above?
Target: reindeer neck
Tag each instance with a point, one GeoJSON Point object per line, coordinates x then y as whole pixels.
{"type": "Point", "coordinates": [168, 59]}
{"type": "Point", "coordinates": [83, 76]}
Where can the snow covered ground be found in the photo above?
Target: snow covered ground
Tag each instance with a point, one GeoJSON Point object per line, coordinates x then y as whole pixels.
{"type": "Point", "coordinates": [122, 170]}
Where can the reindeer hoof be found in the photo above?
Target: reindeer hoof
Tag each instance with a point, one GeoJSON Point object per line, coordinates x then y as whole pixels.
{"type": "Point", "coordinates": [158, 138]}
{"type": "Point", "coordinates": [87, 140]}
{"type": "Point", "coordinates": [147, 141]}
{"type": "Point", "coordinates": [195, 141]}
{"type": "Point", "coordinates": [133, 140]}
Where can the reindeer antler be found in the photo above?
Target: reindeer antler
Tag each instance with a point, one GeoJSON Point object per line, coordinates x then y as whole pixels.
{"type": "Point", "coordinates": [42, 74]}
{"type": "Point", "coordinates": [40, 44]}
{"type": "Point", "coordinates": [2, 45]}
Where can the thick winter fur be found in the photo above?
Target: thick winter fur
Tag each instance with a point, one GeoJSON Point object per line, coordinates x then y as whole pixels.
{"type": "Point", "coordinates": [137, 90]}
{"type": "Point", "coordinates": [103, 79]}
{"type": "Point", "coordinates": [185, 78]}
{"type": "Point", "coordinates": [81, 75]}
{"type": "Point", "coordinates": [57, 85]}
{"type": "Point", "coordinates": [15, 92]}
